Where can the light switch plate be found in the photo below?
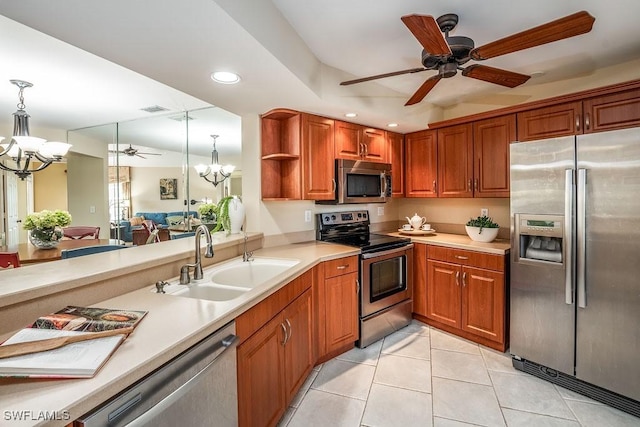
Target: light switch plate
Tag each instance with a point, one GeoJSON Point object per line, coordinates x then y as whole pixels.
{"type": "Point", "coordinates": [380, 210]}
{"type": "Point", "coordinates": [484, 212]}
{"type": "Point", "coordinates": [307, 215]}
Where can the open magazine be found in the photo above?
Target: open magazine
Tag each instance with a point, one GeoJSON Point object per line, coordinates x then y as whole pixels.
{"type": "Point", "coordinates": [76, 360]}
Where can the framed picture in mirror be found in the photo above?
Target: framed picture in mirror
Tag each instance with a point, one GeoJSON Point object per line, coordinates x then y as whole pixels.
{"type": "Point", "coordinates": [168, 188]}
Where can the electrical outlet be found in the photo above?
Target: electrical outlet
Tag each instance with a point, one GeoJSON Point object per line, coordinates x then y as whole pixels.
{"type": "Point", "coordinates": [380, 210]}
{"type": "Point", "coordinates": [307, 215]}
{"type": "Point", "coordinates": [484, 212]}
{"type": "Point", "coordinates": [92, 209]}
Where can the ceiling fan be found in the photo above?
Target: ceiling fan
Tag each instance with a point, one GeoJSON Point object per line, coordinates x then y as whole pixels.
{"type": "Point", "coordinates": [130, 151]}
{"type": "Point", "coordinates": [446, 54]}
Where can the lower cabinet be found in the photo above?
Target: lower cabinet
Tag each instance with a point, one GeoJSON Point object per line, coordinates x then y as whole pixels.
{"type": "Point", "coordinates": [276, 359]}
{"type": "Point", "coordinates": [336, 291]}
{"type": "Point", "coordinates": [465, 294]}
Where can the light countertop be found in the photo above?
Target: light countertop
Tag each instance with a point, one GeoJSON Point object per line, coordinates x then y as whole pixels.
{"type": "Point", "coordinates": [172, 325]}
{"type": "Point", "coordinates": [498, 246]}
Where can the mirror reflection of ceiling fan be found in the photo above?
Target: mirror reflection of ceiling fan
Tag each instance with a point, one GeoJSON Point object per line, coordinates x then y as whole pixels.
{"type": "Point", "coordinates": [446, 54]}
{"type": "Point", "coordinates": [130, 151]}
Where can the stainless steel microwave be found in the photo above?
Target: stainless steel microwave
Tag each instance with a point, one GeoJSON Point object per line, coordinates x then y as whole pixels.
{"type": "Point", "coordinates": [358, 181]}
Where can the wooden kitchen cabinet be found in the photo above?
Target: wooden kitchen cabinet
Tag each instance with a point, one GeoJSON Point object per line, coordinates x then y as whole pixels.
{"type": "Point", "coordinates": [491, 139]}
{"type": "Point", "coordinates": [396, 152]}
{"type": "Point", "coordinates": [421, 160]}
{"type": "Point", "coordinates": [318, 171]}
{"type": "Point", "coordinates": [594, 114]}
{"type": "Point", "coordinates": [466, 295]}
{"type": "Point", "coordinates": [336, 287]}
{"type": "Point", "coordinates": [276, 352]}
{"type": "Point", "coordinates": [455, 161]}
{"type": "Point", "coordinates": [357, 142]}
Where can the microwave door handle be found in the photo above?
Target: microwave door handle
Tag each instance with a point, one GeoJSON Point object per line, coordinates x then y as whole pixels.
{"type": "Point", "coordinates": [383, 184]}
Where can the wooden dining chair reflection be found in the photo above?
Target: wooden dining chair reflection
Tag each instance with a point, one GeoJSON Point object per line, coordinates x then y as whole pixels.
{"type": "Point", "coordinates": [88, 250]}
{"type": "Point", "coordinates": [9, 260]}
{"type": "Point", "coordinates": [81, 232]}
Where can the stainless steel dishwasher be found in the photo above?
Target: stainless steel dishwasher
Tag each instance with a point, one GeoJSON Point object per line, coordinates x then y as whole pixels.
{"type": "Point", "coordinates": [197, 388]}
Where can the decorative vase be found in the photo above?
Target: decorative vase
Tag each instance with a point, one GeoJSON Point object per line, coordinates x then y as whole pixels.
{"type": "Point", "coordinates": [236, 215]}
{"type": "Point", "coordinates": [45, 238]}
{"type": "Point", "coordinates": [486, 235]}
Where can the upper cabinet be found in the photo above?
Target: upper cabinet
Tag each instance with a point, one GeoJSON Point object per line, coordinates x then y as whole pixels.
{"type": "Point", "coordinates": [396, 152]}
{"type": "Point", "coordinates": [491, 139]}
{"type": "Point", "coordinates": [421, 164]}
{"type": "Point", "coordinates": [455, 161]}
{"type": "Point", "coordinates": [594, 114]}
{"type": "Point", "coordinates": [356, 142]}
{"type": "Point", "coordinates": [318, 172]}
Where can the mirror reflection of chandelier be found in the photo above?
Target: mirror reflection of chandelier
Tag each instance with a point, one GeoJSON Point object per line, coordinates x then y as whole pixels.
{"type": "Point", "coordinates": [23, 148]}
{"type": "Point", "coordinates": [214, 173]}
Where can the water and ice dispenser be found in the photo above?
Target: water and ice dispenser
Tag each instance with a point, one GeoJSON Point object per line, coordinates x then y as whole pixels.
{"type": "Point", "coordinates": [539, 238]}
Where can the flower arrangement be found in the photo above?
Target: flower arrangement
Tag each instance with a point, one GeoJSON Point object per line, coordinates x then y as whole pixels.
{"type": "Point", "coordinates": [45, 227]}
{"type": "Point", "coordinates": [208, 211]}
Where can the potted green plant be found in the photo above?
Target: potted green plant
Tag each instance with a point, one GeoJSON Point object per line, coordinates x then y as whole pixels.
{"type": "Point", "coordinates": [475, 227]}
{"type": "Point", "coordinates": [45, 227]}
{"type": "Point", "coordinates": [230, 214]}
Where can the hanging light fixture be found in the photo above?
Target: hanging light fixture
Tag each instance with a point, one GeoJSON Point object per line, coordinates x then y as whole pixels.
{"type": "Point", "coordinates": [214, 169]}
{"type": "Point", "coordinates": [23, 148]}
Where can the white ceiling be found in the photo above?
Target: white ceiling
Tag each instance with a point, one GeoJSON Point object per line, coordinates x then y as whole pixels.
{"type": "Point", "coordinates": [289, 53]}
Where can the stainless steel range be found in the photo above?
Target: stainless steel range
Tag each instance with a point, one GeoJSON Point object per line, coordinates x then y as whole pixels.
{"type": "Point", "coordinates": [386, 272]}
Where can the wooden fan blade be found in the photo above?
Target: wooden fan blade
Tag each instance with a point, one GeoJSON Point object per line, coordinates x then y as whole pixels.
{"type": "Point", "coordinates": [563, 28]}
{"type": "Point", "coordinates": [423, 90]}
{"type": "Point", "coordinates": [495, 75]}
{"type": "Point", "coordinates": [382, 76]}
{"type": "Point", "coordinates": [426, 30]}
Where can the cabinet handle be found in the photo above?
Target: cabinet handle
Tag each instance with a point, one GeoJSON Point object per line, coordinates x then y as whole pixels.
{"type": "Point", "coordinates": [290, 330]}
{"type": "Point", "coordinates": [284, 331]}
{"type": "Point", "coordinates": [435, 189]}
{"type": "Point", "coordinates": [357, 286]}
{"type": "Point", "coordinates": [457, 278]}
{"type": "Point", "coordinates": [361, 145]}
{"type": "Point", "coordinates": [577, 122]}
{"type": "Point", "coordinates": [366, 149]}
{"type": "Point", "coordinates": [587, 121]}
{"type": "Point", "coordinates": [475, 184]}
{"type": "Point", "coordinates": [469, 186]}
{"type": "Point", "coordinates": [333, 183]}
{"type": "Point", "coordinates": [464, 279]}
{"type": "Point", "coordinates": [342, 267]}
{"type": "Point", "coordinates": [461, 257]}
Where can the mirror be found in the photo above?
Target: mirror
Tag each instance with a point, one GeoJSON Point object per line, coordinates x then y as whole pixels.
{"type": "Point", "coordinates": [168, 146]}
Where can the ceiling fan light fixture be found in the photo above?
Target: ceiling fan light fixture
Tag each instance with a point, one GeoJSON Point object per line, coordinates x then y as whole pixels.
{"type": "Point", "coordinates": [225, 77]}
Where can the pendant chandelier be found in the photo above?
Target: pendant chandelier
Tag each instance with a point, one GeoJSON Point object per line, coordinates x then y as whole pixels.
{"type": "Point", "coordinates": [214, 173]}
{"type": "Point", "coordinates": [23, 148]}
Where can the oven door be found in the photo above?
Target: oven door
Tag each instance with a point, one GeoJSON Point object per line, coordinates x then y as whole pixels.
{"type": "Point", "coordinates": [386, 279]}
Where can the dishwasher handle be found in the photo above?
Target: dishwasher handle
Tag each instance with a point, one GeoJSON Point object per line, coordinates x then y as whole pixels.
{"type": "Point", "coordinates": [227, 343]}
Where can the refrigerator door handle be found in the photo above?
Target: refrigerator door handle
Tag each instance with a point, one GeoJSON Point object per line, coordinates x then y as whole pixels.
{"type": "Point", "coordinates": [568, 249]}
{"type": "Point", "coordinates": [581, 240]}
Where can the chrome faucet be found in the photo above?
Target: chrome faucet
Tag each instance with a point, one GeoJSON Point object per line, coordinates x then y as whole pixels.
{"type": "Point", "coordinates": [246, 256]}
{"type": "Point", "coordinates": [197, 266]}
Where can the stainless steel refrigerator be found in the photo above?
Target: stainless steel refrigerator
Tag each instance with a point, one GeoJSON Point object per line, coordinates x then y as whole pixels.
{"type": "Point", "coordinates": [575, 263]}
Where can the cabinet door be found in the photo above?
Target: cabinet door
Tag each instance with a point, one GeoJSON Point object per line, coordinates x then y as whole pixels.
{"type": "Point", "coordinates": [374, 143]}
{"type": "Point", "coordinates": [617, 111]}
{"type": "Point", "coordinates": [420, 279]}
{"type": "Point", "coordinates": [396, 150]}
{"type": "Point", "coordinates": [455, 161]}
{"type": "Point", "coordinates": [483, 303]}
{"type": "Point", "coordinates": [317, 158]}
{"type": "Point", "coordinates": [261, 392]}
{"type": "Point", "coordinates": [443, 292]}
{"type": "Point", "coordinates": [491, 139]}
{"type": "Point", "coordinates": [348, 141]}
{"type": "Point", "coordinates": [298, 350]}
{"type": "Point", "coordinates": [421, 149]}
{"type": "Point", "coordinates": [341, 305]}
{"type": "Point", "coordinates": [550, 122]}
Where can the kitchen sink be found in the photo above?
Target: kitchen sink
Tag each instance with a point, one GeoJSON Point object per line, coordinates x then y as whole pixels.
{"type": "Point", "coordinates": [231, 279]}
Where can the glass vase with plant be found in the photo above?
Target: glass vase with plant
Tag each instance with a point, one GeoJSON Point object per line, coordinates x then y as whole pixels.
{"type": "Point", "coordinates": [208, 212]}
{"type": "Point", "coordinates": [45, 227]}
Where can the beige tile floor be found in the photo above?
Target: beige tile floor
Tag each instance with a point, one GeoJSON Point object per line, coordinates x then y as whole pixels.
{"type": "Point", "coordinates": [420, 376]}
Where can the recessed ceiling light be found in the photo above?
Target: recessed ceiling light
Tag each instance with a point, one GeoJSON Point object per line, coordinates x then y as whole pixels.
{"type": "Point", "coordinates": [351, 115]}
{"type": "Point", "coordinates": [225, 77]}
{"type": "Point", "coordinates": [393, 125]}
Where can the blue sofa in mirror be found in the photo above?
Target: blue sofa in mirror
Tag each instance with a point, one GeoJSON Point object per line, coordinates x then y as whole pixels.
{"type": "Point", "coordinates": [160, 219]}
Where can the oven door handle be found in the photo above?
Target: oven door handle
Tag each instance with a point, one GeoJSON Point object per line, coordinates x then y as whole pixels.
{"type": "Point", "coordinates": [388, 252]}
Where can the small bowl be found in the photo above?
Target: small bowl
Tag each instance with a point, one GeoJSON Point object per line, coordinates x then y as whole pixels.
{"type": "Point", "coordinates": [487, 235]}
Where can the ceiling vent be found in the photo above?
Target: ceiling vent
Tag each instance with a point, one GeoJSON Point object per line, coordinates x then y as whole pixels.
{"type": "Point", "coordinates": [154, 109]}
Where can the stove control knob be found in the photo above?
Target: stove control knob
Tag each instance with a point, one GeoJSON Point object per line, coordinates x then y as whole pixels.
{"type": "Point", "coordinates": [359, 215]}
{"type": "Point", "coordinates": [326, 219]}
{"type": "Point", "coordinates": [333, 217]}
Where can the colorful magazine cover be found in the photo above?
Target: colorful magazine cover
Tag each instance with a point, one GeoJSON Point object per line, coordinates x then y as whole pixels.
{"type": "Point", "coordinates": [89, 319]}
